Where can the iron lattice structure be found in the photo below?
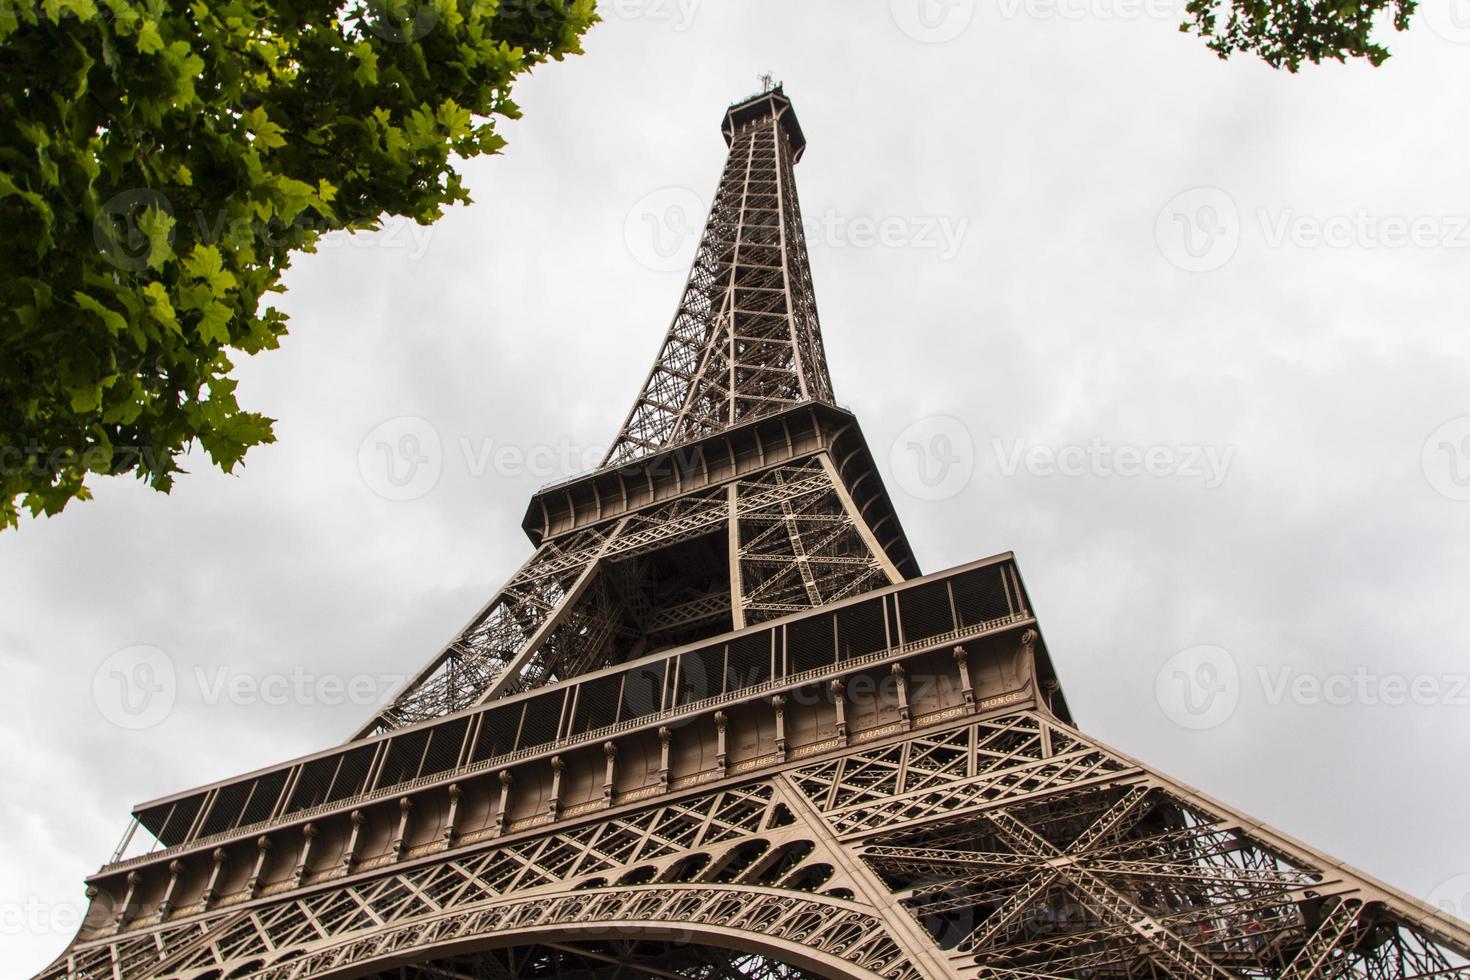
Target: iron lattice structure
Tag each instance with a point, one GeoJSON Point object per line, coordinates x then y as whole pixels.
{"type": "Point", "coordinates": [720, 726]}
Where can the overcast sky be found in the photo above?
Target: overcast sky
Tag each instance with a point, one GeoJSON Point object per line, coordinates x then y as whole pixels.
{"type": "Point", "coordinates": [1188, 336]}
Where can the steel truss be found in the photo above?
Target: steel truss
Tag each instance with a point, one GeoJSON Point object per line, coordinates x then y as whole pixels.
{"type": "Point", "coordinates": [1003, 846]}
{"type": "Point", "coordinates": [709, 756]}
{"type": "Point", "coordinates": [587, 600]}
{"type": "Point", "coordinates": [745, 340]}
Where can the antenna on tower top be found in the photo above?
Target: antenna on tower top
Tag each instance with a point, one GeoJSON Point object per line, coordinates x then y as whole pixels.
{"type": "Point", "coordinates": [768, 81]}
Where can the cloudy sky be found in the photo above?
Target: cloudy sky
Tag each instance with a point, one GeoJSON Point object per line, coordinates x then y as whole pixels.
{"type": "Point", "coordinates": [1188, 336]}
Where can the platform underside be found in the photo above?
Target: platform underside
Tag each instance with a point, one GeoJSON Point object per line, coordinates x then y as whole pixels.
{"type": "Point", "coordinates": [986, 844]}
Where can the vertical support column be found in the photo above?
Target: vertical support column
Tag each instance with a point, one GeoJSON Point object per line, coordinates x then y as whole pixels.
{"type": "Point", "coordinates": [263, 847]}
{"type": "Point", "coordinates": [967, 687]}
{"type": "Point", "coordinates": [349, 856]}
{"type": "Point", "coordinates": [901, 682]}
{"type": "Point", "coordinates": [211, 887]}
{"type": "Point", "coordinates": [839, 702]}
{"type": "Point", "coordinates": [610, 774]}
{"type": "Point", "coordinates": [665, 737]}
{"type": "Point", "coordinates": [400, 836]}
{"type": "Point", "coordinates": [737, 594]}
{"type": "Point", "coordinates": [451, 822]}
{"type": "Point", "coordinates": [308, 834]}
{"type": "Point", "coordinates": [553, 805]}
{"type": "Point", "coordinates": [166, 907]}
{"type": "Point", "coordinates": [920, 948]}
{"type": "Point", "coordinates": [860, 523]}
{"type": "Point", "coordinates": [504, 804]}
{"type": "Point", "coordinates": [722, 757]}
{"type": "Point", "coordinates": [779, 703]}
{"type": "Point", "coordinates": [134, 880]}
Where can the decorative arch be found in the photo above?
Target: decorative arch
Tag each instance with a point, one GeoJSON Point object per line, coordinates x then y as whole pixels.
{"type": "Point", "coordinates": [833, 938]}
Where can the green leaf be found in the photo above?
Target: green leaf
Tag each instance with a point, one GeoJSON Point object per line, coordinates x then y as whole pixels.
{"type": "Point", "coordinates": [157, 226]}
{"type": "Point", "coordinates": [114, 321]}
{"type": "Point", "coordinates": [214, 324]}
{"type": "Point", "coordinates": [268, 135]}
{"type": "Point", "coordinates": [168, 160]}
{"type": "Point", "coordinates": [149, 41]}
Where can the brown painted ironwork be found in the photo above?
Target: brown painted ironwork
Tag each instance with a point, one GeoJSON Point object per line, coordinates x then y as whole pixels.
{"type": "Point", "coordinates": [720, 726]}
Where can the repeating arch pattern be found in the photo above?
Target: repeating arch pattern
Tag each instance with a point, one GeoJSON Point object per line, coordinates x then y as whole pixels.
{"type": "Point", "coordinates": [835, 930]}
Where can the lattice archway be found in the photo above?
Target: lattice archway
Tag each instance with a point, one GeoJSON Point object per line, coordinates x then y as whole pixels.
{"type": "Point", "coordinates": [782, 933]}
{"type": "Point", "coordinates": [612, 959]}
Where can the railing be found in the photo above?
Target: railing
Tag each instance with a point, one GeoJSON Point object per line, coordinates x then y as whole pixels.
{"type": "Point", "coordinates": [899, 602]}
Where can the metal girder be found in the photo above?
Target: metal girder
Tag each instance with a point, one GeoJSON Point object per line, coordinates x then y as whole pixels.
{"type": "Point", "coordinates": [745, 340]}
{"type": "Point", "coordinates": [761, 827]}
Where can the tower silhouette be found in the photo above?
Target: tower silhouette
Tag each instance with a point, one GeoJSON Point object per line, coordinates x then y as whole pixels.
{"type": "Point", "coordinates": [718, 725]}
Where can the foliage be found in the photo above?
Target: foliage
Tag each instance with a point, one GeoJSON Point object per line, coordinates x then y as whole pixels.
{"type": "Point", "coordinates": [1287, 32]}
{"type": "Point", "coordinates": [161, 160]}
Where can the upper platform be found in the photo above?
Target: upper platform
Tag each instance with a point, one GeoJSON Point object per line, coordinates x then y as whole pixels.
{"type": "Point", "coordinates": [772, 103]}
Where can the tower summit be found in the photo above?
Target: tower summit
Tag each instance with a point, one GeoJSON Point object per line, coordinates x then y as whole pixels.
{"type": "Point", "coordinates": [745, 341]}
{"type": "Point", "coordinates": [718, 726]}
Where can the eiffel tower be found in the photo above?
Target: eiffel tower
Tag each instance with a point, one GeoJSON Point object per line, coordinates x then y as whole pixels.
{"type": "Point", "coordinates": [719, 725]}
